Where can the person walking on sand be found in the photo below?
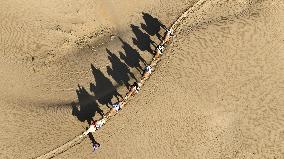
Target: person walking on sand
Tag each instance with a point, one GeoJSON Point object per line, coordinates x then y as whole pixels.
{"type": "Point", "coordinates": [96, 146]}
{"type": "Point", "coordinates": [134, 89]}
{"type": "Point", "coordinates": [159, 52]}
{"type": "Point", "coordinates": [169, 33]}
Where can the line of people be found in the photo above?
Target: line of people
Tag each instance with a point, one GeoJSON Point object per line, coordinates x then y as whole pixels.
{"type": "Point", "coordinates": [135, 87]}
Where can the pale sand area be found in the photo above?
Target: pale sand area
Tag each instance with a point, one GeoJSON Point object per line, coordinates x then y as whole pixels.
{"type": "Point", "coordinates": [218, 93]}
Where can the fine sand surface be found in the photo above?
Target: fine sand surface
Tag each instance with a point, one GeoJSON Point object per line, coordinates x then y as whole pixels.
{"type": "Point", "coordinates": [217, 93]}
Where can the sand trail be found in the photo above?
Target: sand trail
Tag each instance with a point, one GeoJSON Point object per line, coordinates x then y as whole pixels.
{"type": "Point", "coordinates": [65, 147]}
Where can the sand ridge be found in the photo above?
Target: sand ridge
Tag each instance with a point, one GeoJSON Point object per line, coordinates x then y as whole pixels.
{"type": "Point", "coordinates": [217, 94]}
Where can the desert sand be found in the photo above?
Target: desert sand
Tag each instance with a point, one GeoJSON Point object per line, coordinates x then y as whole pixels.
{"type": "Point", "coordinates": [217, 93]}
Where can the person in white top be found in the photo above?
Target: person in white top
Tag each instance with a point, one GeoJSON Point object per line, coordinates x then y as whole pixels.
{"type": "Point", "coordinates": [169, 33]}
{"type": "Point", "coordinates": [147, 72]}
{"type": "Point", "coordinates": [159, 52]}
{"type": "Point", "coordinates": [115, 109]}
{"type": "Point", "coordinates": [134, 89]}
{"type": "Point", "coordinates": [96, 124]}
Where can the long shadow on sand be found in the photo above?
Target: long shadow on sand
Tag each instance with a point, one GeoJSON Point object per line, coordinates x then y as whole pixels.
{"type": "Point", "coordinates": [104, 90]}
{"type": "Point", "coordinates": [142, 40]}
{"type": "Point", "coordinates": [87, 106]}
{"type": "Point", "coordinates": [152, 25]}
{"type": "Point", "coordinates": [131, 57]}
{"type": "Point", "coordinates": [119, 70]}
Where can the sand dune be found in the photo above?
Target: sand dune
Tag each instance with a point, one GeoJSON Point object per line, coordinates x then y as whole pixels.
{"type": "Point", "coordinates": [216, 93]}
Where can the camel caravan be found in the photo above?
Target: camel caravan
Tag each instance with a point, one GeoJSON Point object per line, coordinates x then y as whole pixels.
{"type": "Point", "coordinates": [135, 87]}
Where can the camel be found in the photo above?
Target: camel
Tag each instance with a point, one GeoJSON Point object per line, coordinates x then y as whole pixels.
{"type": "Point", "coordinates": [159, 52]}
{"type": "Point", "coordinates": [114, 110]}
{"type": "Point", "coordinates": [147, 72]}
{"type": "Point", "coordinates": [168, 35]}
{"type": "Point", "coordinates": [96, 124]}
{"type": "Point", "coordinates": [134, 89]}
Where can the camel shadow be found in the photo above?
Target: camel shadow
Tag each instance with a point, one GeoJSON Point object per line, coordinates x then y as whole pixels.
{"type": "Point", "coordinates": [142, 40]}
{"type": "Point", "coordinates": [119, 71]}
{"type": "Point", "coordinates": [152, 25]}
{"type": "Point", "coordinates": [131, 57]}
{"type": "Point", "coordinates": [103, 89]}
{"type": "Point", "coordinates": [87, 106]}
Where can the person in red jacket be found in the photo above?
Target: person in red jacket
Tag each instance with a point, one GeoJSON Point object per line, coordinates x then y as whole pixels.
{"type": "Point", "coordinates": [95, 125]}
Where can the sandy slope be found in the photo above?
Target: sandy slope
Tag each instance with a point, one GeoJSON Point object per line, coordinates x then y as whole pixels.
{"type": "Point", "coordinates": [216, 94]}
